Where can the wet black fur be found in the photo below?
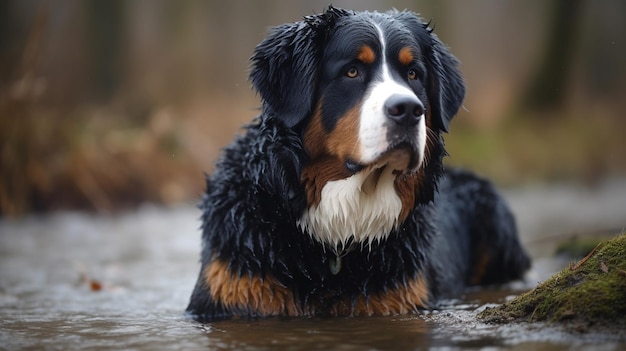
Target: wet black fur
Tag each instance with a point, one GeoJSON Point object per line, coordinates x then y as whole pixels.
{"type": "Point", "coordinates": [254, 197]}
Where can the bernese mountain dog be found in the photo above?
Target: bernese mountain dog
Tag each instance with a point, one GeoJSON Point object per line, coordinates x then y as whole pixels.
{"type": "Point", "coordinates": [335, 201]}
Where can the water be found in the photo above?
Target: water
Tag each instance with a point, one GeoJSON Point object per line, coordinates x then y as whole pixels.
{"type": "Point", "coordinates": [78, 281]}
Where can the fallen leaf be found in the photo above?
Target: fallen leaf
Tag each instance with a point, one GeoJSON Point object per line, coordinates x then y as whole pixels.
{"type": "Point", "coordinates": [603, 267]}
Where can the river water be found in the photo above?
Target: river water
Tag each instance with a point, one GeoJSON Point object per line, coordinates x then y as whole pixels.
{"type": "Point", "coordinates": [80, 281]}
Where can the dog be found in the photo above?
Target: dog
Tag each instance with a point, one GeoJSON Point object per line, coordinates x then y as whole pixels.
{"type": "Point", "coordinates": [335, 201]}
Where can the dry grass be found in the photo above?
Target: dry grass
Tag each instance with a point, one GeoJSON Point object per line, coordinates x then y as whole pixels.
{"type": "Point", "coordinates": [109, 158]}
{"type": "Point", "coordinates": [105, 159]}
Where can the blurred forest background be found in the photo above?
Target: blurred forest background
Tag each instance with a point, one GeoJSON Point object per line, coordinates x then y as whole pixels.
{"type": "Point", "coordinates": [105, 105]}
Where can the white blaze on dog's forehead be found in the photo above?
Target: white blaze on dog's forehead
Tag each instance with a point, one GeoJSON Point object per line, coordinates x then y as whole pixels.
{"type": "Point", "coordinates": [346, 213]}
{"type": "Point", "coordinates": [373, 120]}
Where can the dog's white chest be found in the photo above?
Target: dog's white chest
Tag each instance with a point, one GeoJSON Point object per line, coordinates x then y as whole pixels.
{"type": "Point", "coordinates": [353, 209]}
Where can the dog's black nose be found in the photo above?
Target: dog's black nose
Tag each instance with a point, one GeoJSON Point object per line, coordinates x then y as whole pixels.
{"type": "Point", "coordinates": [405, 110]}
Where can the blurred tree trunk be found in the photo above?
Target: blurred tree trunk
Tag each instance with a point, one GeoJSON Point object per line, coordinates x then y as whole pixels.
{"type": "Point", "coordinates": [8, 46]}
{"type": "Point", "coordinates": [548, 86]}
{"type": "Point", "coordinates": [22, 178]}
{"type": "Point", "coordinates": [105, 20]}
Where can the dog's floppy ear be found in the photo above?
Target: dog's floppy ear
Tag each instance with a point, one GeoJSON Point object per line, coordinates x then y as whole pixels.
{"type": "Point", "coordinates": [286, 62]}
{"type": "Point", "coordinates": [445, 87]}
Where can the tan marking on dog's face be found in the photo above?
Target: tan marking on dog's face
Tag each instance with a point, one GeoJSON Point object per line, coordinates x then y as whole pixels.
{"type": "Point", "coordinates": [405, 56]}
{"type": "Point", "coordinates": [407, 188]}
{"type": "Point", "coordinates": [366, 54]}
{"type": "Point", "coordinates": [262, 297]}
{"type": "Point", "coordinates": [343, 140]}
{"type": "Point", "coordinates": [328, 152]}
{"type": "Point", "coordinates": [315, 135]}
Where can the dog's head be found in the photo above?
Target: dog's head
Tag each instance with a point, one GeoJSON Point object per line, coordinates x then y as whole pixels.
{"type": "Point", "coordinates": [369, 92]}
{"type": "Point", "coordinates": [302, 64]}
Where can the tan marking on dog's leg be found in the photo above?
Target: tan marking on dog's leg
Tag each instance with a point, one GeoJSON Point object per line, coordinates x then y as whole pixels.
{"type": "Point", "coordinates": [262, 297]}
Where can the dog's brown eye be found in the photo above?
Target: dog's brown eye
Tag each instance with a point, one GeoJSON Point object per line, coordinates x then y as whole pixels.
{"type": "Point", "coordinates": [412, 74]}
{"type": "Point", "coordinates": [352, 72]}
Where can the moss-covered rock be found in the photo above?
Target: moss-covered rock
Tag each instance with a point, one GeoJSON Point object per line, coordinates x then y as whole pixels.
{"type": "Point", "coordinates": [590, 293]}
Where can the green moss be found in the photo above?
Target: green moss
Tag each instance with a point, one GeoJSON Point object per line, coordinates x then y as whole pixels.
{"type": "Point", "coordinates": [587, 294]}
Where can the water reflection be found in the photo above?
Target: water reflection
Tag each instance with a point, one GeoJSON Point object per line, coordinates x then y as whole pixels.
{"type": "Point", "coordinates": [377, 333]}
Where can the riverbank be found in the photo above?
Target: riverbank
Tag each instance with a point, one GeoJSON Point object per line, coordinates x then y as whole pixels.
{"type": "Point", "coordinates": [586, 297]}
